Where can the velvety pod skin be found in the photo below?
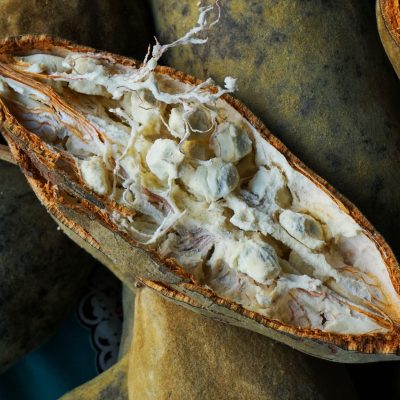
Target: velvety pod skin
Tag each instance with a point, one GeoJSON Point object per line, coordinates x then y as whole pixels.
{"type": "Point", "coordinates": [178, 354]}
{"type": "Point", "coordinates": [128, 306]}
{"type": "Point", "coordinates": [170, 352]}
{"type": "Point", "coordinates": [123, 26]}
{"type": "Point", "coordinates": [86, 216]}
{"type": "Point", "coordinates": [41, 271]}
{"type": "Point", "coordinates": [388, 18]}
{"type": "Point", "coordinates": [316, 74]}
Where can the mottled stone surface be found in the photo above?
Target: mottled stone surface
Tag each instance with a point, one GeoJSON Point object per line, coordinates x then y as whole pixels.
{"type": "Point", "coordinates": [41, 270]}
{"type": "Point", "coordinates": [316, 73]}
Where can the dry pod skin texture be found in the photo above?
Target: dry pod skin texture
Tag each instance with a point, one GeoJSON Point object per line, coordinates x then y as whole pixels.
{"type": "Point", "coordinates": [334, 102]}
{"type": "Point", "coordinates": [38, 269]}
{"type": "Point", "coordinates": [128, 306]}
{"type": "Point", "coordinates": [388, 18]}
{"type": "Point", "coordinates": [122, 26]}
{"type": "Point", "coordinates": [175, 353]}
{"type": "Point", "coordinates": [178, 354]}
{"type": "Point", "coordinates": [169, 179]}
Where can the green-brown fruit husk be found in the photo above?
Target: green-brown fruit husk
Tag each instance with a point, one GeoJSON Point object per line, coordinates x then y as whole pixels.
{"type": "Point", "coordinates": [177, 354]}
{"type": "Point", "coordinates": [316, 74]}
{"type": "Point", "coordinates": [39, 273]}
{"type": "Point", "coordinates": [128, 306]}
{"type": "Point", "coordinates": [123, 26]}
{"type": "Point", "coordinates": [388, 18]}
{"type": "Point", "coordinates": [86, 216]}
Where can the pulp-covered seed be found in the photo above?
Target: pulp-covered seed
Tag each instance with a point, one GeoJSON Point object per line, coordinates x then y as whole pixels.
{"type": "Point", "coordinates": [230, 142]}
{"type": "Point", "coordinates": [176, 123]}
{"type": "Point", "coordinates": [302, 227]}
{"type": "Point", "coordinates": [92, 69]}
{"type": "Point", "coordinates": [212, 180]}
{"type": "Point", "coordinates": [197, 121]}
{"type": "Point", "coordinates": [259, 261]}
{"type": "Point", "coordinates": [95, 174]}
{"type": "Point", "coordinates": [164, 158]}
{"type": "Point", "coordinates": [144, 108]}
{"type": "Point", "coordinates": [85, 65]}
{"type": "Point", "coordinates": [266, 182]}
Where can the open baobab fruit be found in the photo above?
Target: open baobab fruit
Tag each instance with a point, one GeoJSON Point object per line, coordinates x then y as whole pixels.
{"type": "Point", "coordinates": [169, 179]}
